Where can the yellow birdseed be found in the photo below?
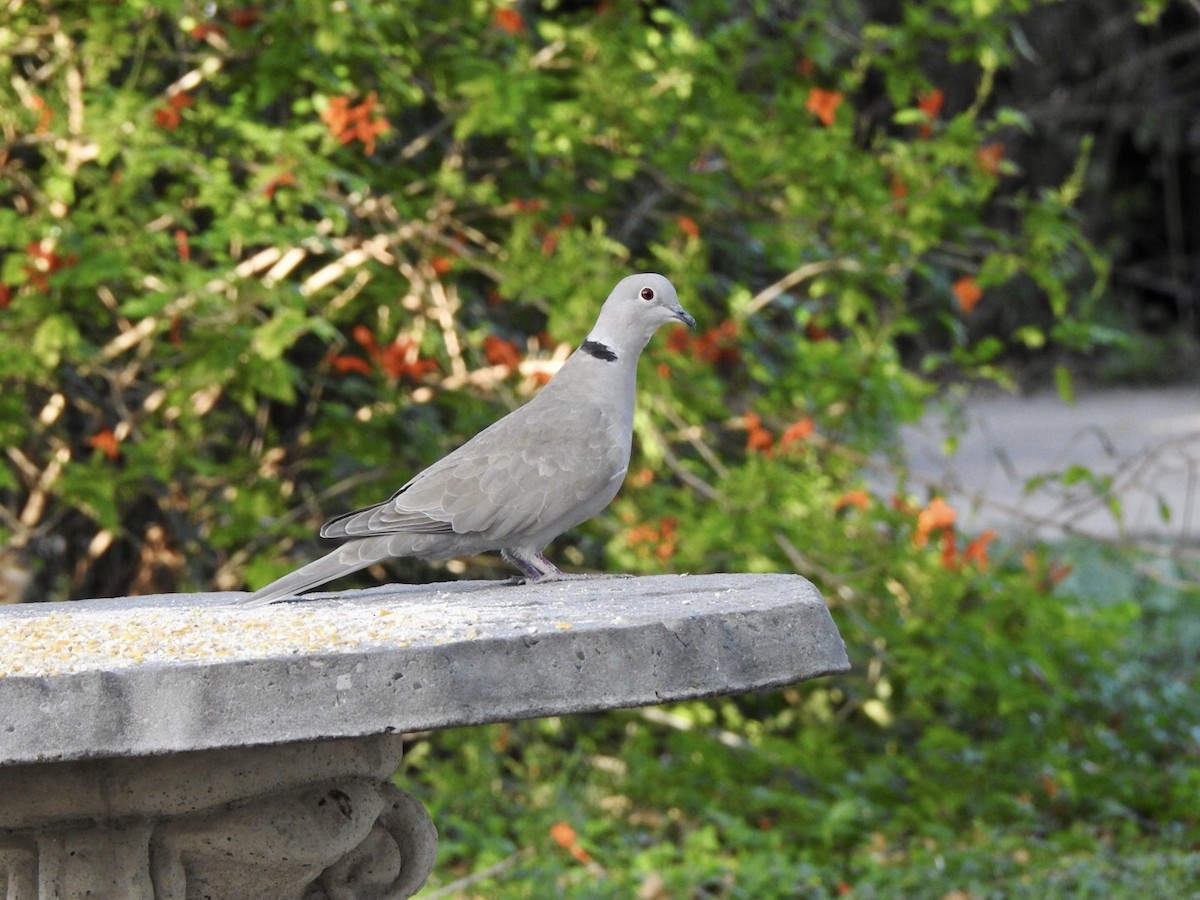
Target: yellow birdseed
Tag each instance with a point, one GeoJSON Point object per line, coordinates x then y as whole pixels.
{"type": "Point", "coordinates": [65, 640]}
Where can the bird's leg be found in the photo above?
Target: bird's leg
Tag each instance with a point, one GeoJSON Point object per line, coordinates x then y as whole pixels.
{"type": "Point", "coordinates": [538, 569]}
{"type": "Point", "coordinates": [534, 566]}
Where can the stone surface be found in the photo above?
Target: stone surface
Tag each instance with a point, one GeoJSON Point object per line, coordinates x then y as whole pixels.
{"type": "Point", "coordinates": [183, 746]}
{"type": "Point", "coordinates": [189, 672]}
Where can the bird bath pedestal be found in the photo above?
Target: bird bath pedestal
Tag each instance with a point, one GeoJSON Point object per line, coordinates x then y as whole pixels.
{"type": "Point", "coordinates": [180, 746]}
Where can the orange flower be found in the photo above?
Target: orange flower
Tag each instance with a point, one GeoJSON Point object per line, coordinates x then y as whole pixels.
{"type": "Point", "coordinates": [281, 180]}
{"type": "Point", "coordinates": [441, 264]}
{"type": "Point", "coordinates": [509, 21]}
{"type": "Point", "coordinates": [937, 516]}
{"type": "Point", "coordinates": [106, 442]}
{"type": "Point", "coordinates": [758, 439]}
{"type": "Point", "coordinates": [45, 114]}
{"type": "Point", "coordinates": [643, 477]}
{"type": "Point", "coordinates": [355, 123]}
{"type": "Point", "coordinates": [949, 550]}
{"type": "Point", "coordinates": [796, 432]}
{"type": "Point", "coordinates": [931, 104]}
{"type": "Point", "coordinates": [823, 104]}
{"type": "Point", "coordinates": [989, 158]}
{"type": "Point", "coordinates": [500, 352]}
{"type": "Point", "coordinates": [977, 550]}
{"type": "Point", "coordinates": [564, 835]}
{"type": "Point", "coordinates": [968, 293]}
{"type": "Point", "coordinates": [688, 226]}
{"type": "Point", "coordinates": [182, 245]}
{"type": "Point", "coordinates": [857, 497]}
{"type": "Point", "coordinates": [661, 537]}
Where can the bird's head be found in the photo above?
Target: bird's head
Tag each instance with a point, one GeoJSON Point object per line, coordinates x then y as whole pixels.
{"type": "Point", "coordinates": [635, 309]}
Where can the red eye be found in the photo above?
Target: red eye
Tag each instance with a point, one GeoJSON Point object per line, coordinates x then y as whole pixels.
{"type": "Point", "coordinates": [647, 293]}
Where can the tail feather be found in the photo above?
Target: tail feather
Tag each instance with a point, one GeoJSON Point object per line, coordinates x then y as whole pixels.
{"type": "Point", "coordinates": [348, 558]}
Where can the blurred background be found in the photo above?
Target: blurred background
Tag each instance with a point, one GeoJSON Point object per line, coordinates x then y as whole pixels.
{"type": "Point", "coordinates": [260, 263]}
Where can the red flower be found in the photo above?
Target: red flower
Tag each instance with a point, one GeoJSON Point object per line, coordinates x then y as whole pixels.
{"type": "Point", "coordinates": [509, 20]}
{"type": "Point", "coordinates": [170, 116]}
{"type": "Point", "coordinates": [499, 352]}
{"type": "Point", "coordinates": [688, 226]}
{"type": "Point", "coordinates": [245, 17]}
{"type": "Point", "coordinates": [399, 359]}
{"type": "Point", "coordinates": [930, 104]}
{"type": "Point", "coordinates": [44, 262]}
{"type": "Point", "coordinates": [344, 364]}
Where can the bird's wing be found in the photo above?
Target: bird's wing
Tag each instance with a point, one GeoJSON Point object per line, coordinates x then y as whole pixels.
{"type": "Point", "coordinates": [541, 465]}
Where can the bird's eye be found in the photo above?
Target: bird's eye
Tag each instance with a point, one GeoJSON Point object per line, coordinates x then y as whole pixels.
{"type": "Point", "coordinates": [647, 293]}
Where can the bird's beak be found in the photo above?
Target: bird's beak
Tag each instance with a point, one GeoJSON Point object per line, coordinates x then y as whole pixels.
{"type": "Point", "coordinates": [681, 314]}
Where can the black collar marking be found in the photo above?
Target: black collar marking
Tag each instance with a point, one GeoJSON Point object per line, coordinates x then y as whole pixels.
{"type": "Point", "coordinates": [598, 350]}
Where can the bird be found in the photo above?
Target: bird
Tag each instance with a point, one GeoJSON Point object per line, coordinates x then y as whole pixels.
{"type": "Point", "coordinates": [544, 468]}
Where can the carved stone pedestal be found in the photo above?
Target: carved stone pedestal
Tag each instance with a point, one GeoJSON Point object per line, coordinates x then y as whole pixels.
{"type": "Point", "coordinates": [182, 747]}
{"type": "Point", "coordinates": [318, 820]}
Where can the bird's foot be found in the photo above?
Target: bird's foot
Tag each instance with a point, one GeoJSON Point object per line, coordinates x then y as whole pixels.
{"type": "Point", "coordinates": [552, 577]}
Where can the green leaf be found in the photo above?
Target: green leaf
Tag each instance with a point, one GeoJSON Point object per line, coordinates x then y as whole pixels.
{"type": "Point", "coordinates": [279, 333]}
{"type": "Point", "coordinates": [55, 336]}
{"type": "Point", "coordinates": [1062, 381]}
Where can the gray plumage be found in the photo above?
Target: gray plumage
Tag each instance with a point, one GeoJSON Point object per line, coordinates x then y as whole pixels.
{"type": "Point", "coordinates": [545, 467]}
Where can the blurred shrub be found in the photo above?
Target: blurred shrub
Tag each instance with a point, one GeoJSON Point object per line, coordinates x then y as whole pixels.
{"type": "Point", "coordinates": [261, 263]}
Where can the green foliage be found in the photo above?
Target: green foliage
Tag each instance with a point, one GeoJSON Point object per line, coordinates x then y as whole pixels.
{"type": "Point", "coordinates": [1000, 737]}
{"type": "Point", "coordinates": [268, 259]}
{"type": "Point", "coordinates": [258, 252]}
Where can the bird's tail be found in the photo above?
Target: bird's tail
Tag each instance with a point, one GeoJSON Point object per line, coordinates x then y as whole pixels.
{"type": "Point", "coordinates": [348, 558]}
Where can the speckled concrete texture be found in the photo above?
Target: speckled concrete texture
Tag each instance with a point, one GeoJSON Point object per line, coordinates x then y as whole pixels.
{"type": "Point", "coordinates": [174, 673]}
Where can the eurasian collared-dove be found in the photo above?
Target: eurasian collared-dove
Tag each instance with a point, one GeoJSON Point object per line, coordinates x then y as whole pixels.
{"type": "Point", "coordinates": [545, 467]}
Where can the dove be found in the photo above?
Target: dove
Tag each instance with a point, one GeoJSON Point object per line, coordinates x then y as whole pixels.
{"type": "Point", "coordinates": [547, 466]}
